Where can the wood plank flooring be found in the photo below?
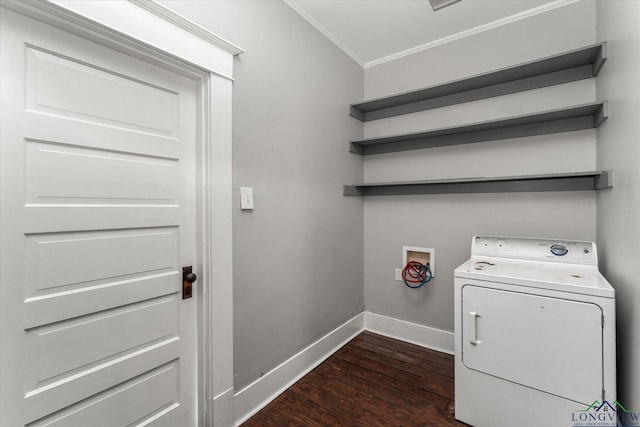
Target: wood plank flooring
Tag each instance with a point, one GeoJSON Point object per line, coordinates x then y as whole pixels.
{"type": "Point", "coordinates": [372, 381]}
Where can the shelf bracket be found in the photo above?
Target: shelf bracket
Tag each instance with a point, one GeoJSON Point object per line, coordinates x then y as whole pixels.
{"type": "Point", "coordinates": [604, 180]}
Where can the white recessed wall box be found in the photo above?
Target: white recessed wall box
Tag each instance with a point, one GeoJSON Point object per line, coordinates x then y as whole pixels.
{"type": "Point", "coordinates": [422, 255]}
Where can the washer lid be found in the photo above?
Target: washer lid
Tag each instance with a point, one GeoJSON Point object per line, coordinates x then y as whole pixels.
{"type": "Point", "coordinates": [565, 277]}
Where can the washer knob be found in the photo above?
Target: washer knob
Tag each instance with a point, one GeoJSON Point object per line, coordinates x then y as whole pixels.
{"type": "Point", "coordinates": [559, 249]}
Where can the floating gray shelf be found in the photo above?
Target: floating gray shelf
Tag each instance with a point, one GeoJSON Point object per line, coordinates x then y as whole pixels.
{"type": "Point", "coordinates": [566, 67]}
{"type": "Point", "coordinates": [576, 181]}
{"type": "Point", "coordinates": [554, 121]}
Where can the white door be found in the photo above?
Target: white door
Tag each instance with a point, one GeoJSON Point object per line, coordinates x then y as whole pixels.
{"type": "Point", "coordinates": [549, 344]}
{"type": "Point", "coordinates": [97, 179]}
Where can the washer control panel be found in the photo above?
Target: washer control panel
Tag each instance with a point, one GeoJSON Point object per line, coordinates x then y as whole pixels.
{"type": "Point", "coordinates": [567, 251]}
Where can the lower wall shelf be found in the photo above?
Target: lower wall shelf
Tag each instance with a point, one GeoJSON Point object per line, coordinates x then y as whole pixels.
{"type": "Point", "coordinates": [575, 181]}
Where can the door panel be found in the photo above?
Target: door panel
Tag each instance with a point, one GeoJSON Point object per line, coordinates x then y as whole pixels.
{"type": "Point", "coordinates": [69, 174]}
{"type": "Point", "coordinates": [97, 171]}
{"type": "Point", "coordinates": [42, 401]}
{"type": "Point", "coordinates": [55, 257]}
{"type": "Point", "coordinates": [131, 403]}
{"type": "Point", "coordinates": [140, 105]}
{"type": "Point", "coordinates": [64, 347]}
{"type": "Point", "coordinates": [550, 344]}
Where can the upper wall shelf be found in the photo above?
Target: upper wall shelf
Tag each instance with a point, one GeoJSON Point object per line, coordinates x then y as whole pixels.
{"type": "Point", "coordinates": [553, 121]}
{"type": "Point", "coordinates": [566, 67]}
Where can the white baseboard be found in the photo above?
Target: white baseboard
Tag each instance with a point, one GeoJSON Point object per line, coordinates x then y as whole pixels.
{"type": "Point", "coordinates": [223, 408]}
{"type": "Point", "coordinates": [259, 393]}
{"type": "Point", "coordinates": [421, 335]}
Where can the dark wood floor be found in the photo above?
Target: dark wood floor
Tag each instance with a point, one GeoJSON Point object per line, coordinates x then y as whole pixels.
{"type": "Point", "coordinates": [372, 381]}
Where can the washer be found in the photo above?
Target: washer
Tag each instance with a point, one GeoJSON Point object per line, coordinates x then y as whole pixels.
{"type": "Point", "coordinates": [534, 332]}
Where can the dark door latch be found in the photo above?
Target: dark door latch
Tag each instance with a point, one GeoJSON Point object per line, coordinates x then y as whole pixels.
{"type": "Point", "coordinates": [188, 277]}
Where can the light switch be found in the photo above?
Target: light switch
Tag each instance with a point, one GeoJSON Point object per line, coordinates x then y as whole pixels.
{"type": "Point", "coordinates": [246, 198]}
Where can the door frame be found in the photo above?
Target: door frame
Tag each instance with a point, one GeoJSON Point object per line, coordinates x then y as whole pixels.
{"type": "Point", "coordinates": [139, 28]}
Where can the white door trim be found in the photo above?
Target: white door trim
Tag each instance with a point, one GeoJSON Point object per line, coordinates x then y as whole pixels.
{"type": "Point", "coordinates": [137, 23]}
{"type": "Point", "coordinates": [122, 26]}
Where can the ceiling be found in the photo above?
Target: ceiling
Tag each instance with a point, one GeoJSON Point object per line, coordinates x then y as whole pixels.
{"type": "Point", "coordinates": [375, 31]}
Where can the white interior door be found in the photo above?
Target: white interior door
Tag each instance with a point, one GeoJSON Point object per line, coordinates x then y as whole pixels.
{"type": "Point", "coordinates": [97, 220]}
{"type": "Point", "coordinates": [550, 344]}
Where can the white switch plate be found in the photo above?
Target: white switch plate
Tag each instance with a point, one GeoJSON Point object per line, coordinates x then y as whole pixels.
{"type": "Point", "coordinates": [246, 198]}
{"type": "Point", "coordinates": [398, 274]}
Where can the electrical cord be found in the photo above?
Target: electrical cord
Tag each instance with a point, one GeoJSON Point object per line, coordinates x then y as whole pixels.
{"type": "Point", "coordinates": [415, 274]}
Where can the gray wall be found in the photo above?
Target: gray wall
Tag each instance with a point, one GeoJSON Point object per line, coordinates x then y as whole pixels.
{"type": "Point", "coordinates": [298, 256]}
{"type": "Point", "coordinates": [619, 208]}
{"type": "Point", "coordinates": [448, 222]}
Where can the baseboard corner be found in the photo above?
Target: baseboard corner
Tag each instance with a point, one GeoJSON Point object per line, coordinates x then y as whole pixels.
{"type": "Point", "coordinates": [414, 333]}
{"type": "Point", "coordinates": [250, 399]}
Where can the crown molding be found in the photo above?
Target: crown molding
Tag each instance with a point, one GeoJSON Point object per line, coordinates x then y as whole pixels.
{"type": "Point", "coordinates": [472, 31]}
{"type": "Point", "coordinates": [187, 25]}
{"type": "Point", "coordinates": [328, 34]}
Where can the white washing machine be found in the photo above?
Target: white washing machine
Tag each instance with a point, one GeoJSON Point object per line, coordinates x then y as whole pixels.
{"type": "Point", "coordinates": [534, 333]}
